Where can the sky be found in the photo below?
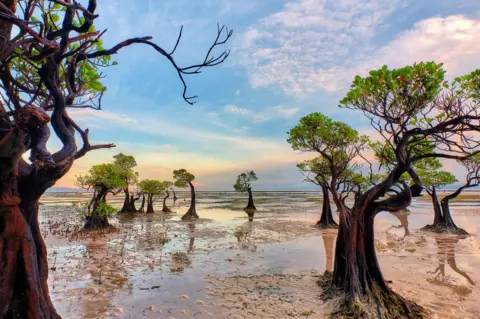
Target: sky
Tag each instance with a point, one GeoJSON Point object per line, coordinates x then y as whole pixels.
{"type": "Point", "coordinates": [288, 58]}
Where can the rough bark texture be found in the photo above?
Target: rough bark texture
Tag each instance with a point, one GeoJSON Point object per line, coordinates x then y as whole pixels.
{"type": "Point", "coordinates": [250, 205]}
{"type": "Point", "coordinates": [23, 257]}
{"type": "Point", "coordinates": [357, 278]}
{"type": "Point", "coordinates": [443, 221]}
{"type": "Point", "coordinates": [326, 220]}
{"type": "Point", "coordinates": [165, 208]}
{"type": "Point", "coordinates": [192, 211]}
{"type": "Point", "coordinates": [126, 208]}
{"type": "Point", "coordinates": [94, 220]}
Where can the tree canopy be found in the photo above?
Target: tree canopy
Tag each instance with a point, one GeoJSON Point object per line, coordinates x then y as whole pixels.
{"type": "Point", "coordinates": [152, 187]}
{"type": "Point", "coordinates": [126, 164]}
{"type": "Point", "coordinates": [244, 180]}
{"type": "Point", "coordinates": [103, 176]}
{"type": "Point", "coordinates": [182, 177]}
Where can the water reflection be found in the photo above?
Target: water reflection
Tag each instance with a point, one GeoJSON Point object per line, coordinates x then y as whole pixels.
{"type": "Point", "coordinates": [446, 255]}
{"type": "Point", "coordinates": [250, 213]}
{"type": "Point", "coordinates": [243, 235]}
{"type": "Point", "coordinates": [328, 242]}
{"type": "Point", "coordinates": [402, 216]}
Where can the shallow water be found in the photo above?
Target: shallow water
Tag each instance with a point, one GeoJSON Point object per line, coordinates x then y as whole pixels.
{"type": "Point", "coordinates": [160, 267]}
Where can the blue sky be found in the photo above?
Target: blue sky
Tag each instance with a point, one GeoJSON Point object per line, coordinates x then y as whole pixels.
{"type": "Point", "coordinates": [288, 59]}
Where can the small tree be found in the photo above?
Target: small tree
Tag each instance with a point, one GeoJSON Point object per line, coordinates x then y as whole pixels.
{"type": "Point", "coordinates": [432, 178]}
{"type": "Point", "coordinates": [243, 184]}
{"type": "Point", "coordinates": [317, 171]}
{"type": "Point", "coordinates": [183, 179]}
{"type": "Point", "coordinates": [151, 188]}
{"type": "Point", "coordinates": [167, 186]}
{"type": "Point", "coordinates": [102, 179]}
{"type": "Point", "coordinates": [126, 164]}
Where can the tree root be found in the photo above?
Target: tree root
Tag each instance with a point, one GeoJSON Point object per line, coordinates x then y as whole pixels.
{"type": "Point", "coordinates": [377, 303]}
{"type": "Point", "coordinates": [445, 229]}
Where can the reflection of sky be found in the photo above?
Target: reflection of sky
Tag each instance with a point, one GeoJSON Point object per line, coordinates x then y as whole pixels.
{"type": "Point", "coordinates": [289, 58]}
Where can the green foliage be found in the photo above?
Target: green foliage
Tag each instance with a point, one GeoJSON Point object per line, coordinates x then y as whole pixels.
{"type": "Point", "coordinates": [80, 207]}
{"type": "Point", "coordinates": [401, 93]}
{"type": "Point", "coordinates": [243, 181]}
{"type": "Point", "coordinates": [152, 187]}
{"type": "Point", "coordinates": [317, 132]}
{"type": "Point", "coordinates": [182, 177]}
{"type": "Point", "coordinates": [319, 167]}
{"type": "Point", "coordinates": [105, 209]}
{"type": "Point", "coordinates": [431, 176]}
{"type": "Point", "coordinates": [102, 177]}
{"type": "Point", "coordinates": [126, 164]}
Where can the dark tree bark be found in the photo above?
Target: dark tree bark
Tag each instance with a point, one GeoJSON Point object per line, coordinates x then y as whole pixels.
{"type": "Point", "coordinates": [142, 207]}
{"type": "Point", "coordinates": [357, 275]}
{"type": "Point", "coordinates": [94, 220]}
{"type": "Point", "coordinates": [192, 211]}
{"type": "Point", "coordinates": [250, 205]}
{"type": "Point", "coordinates": [326, 220]}
{"type": "Point", "coordinates": [126, 202]}
{"type": "Point", "coordinates": [23, 259]}
{"type": "Point", "coordinates": [150, 205]}
{"type": "Point", "coordinates": [165, 208]}
{"type": "Point", "coordinates": [443, 221]}
{"type": "Point", "coordinates": [133, 199]}
{"type": "Point", "coordinates": [174, 197]}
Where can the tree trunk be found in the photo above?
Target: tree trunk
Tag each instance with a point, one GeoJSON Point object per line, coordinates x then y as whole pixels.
{"type": "Point", "coordinates": [251, 205]}
{"type": "Point", "coordinates": [150, 205]}
{"type": "Point", "coordinates": [23, 257]}
{"type": "Point", "coordinates": [443, 221]}
{"type": "Point", "coordinates": [142, 207]}
{"type": "Point", "coordinates": [357, 277]}
{"type": "Point", "coordinates": [192, 211]}
{"type": "Point", "coordinates": [133, 199]}
{"type": "Point", "coordinates": [174, 197]}
{"type": "Point", "coordinates": [126, 202]}
{"type": "Point", "coordinates": [165, 209]}
{"type": "Point", "coordinates": [94, 220]}
{"type": "Point", "coordinates": [326, 220]}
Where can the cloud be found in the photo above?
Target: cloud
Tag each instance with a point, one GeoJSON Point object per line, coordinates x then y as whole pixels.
{"type": "Point", "coordinates": [267, 114]}
{"type": "Point", "coordinates": [320, 45]}
{"type": "Point", "coordinates": [304, 46]}
{"type": "Point", "coordinates": [94, 117]}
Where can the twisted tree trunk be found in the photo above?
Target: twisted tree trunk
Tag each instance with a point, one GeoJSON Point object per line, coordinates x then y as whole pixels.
{"type": "Point", "coordinates": [165, 209]}
{"type": "Point", "coordinates": [126, 208]}
{"type": "Point", "coordinates": [357, 277]}
{"type": "Point", "coordinates": [250, 205]}
{"type": "Point", "coordinates": [443, 221]}
{"type": "Point", "coordinates": [192, 211]}
{"type": "Point", "coordinates": [174, 197]}
{"type": "Point", "coordinates": [150, 205]}
{"type": "Point", "coordinates": [94, 220]}
{"type": "Point", "coordinates": [23, 258]}
{"type": "Point", "coordinates": [326, 219]}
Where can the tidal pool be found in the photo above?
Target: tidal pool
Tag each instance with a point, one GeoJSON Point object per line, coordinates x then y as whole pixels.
{"type": "Point", "coordinates": [225, 266]}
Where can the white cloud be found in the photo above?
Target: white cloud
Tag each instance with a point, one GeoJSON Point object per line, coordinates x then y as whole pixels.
{"type": "Point", "coordinates": [94, 117]}
{"type": "Point", "coordinates": [265, 115]}
{"type": "Point", "coordinates": [320, 45]}
{"type": "Point", "coordinates": [303, 47]}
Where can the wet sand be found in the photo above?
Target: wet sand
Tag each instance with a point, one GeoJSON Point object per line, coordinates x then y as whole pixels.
{"type": "Point", "coordinates": [223, 266]}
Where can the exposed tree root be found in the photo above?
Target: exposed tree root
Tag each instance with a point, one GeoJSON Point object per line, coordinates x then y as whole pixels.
{"type": "Point", "coordinates": [98, 222]}
{"type": "Point", "coordinates": [377, 303]}
{"type": "Point", "coordinates": [445, 229]}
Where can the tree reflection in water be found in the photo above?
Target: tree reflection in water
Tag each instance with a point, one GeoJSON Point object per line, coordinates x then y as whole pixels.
{"type": "Point", "coordinates": [328, 242]}
{"type": "Point", "coordinates": [446, 255]}
{"type": "Point", "coordinates": [402, 216]}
